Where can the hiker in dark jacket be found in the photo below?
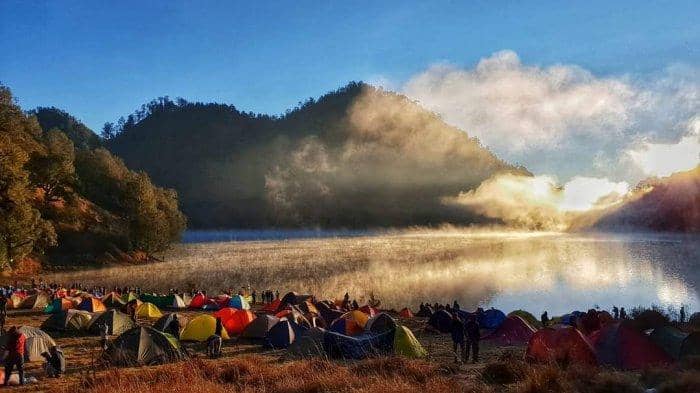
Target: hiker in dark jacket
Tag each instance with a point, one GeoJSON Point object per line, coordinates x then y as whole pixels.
{"type": "Point", "coordinates": [457, 332]}
{"type": "Point", "coordinates": [473, 337]}
{"type": "Point", "coordinates": [544, 318]}
{"type": "Point", "coordinates": [174, 327]}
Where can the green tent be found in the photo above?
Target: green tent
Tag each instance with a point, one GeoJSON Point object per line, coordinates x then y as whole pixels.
{"type": "Point", "coordinates": [669, 339]}
{"type": "Point", "coordinates": [71, 320]}
{"type": "Point", "coordinates": [158, 300]}
{"type": "Point", "coordinates": [691, 346]}
{"type": "Point", "coordinates": [144, 345]}
{"type": "Point", "coordinates": [406, 344]}
{"type": "Point", "coordinates": [117, 323]}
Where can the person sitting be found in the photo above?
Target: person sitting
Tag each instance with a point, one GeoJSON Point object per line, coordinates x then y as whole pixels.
{"type": "Point", "coordinates": [55, 365]}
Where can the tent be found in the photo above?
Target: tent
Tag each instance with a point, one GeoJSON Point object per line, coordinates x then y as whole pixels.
{"type": "Point", "coordinates": [37, 343]}
{"type": "Point", "coordinates": [571, 319]}
{"type": "Point", "coordinates": [327, 313]}
{"type": "Point", "coordinates": [650, 319]}
{"type": "Point", "coordinates": [178, 302]}
{"type": "Point", "coordinates": [441, 320]}
{"type": "Point", "coordinates": [565, 344]}
{"type": "Point", "coordinates": [529, 318]}
{"type": "Point", "coordinates": [669, 339]}
{"type": "Point", "coordinates": [694, 320]}
{"type": "Point", "coordinates": [128, 297]}
{"type": "Point", "coordinates": [406, 313]}
{"type": "Point", "coordinates": [691, 346]}
{"type": "Point", "coordinates": [59, 305]}
{"type": "Point", "coordinates": [38, 301]}
{"type": "Point", "coordinates": [15, 300]}
{"type": "Point", "coordinates": [220, 300]}
{"type": "Point", "coordinates": [620, 345]}
{"type": "Point", "coordinates": [200, 328]}
{"type": "Point", "coordinates": [143, 345]}
{"type": "Point", "coordinates": [238, 302]}
{"type": "Point", "coordinates": [371, 311]}
{"type": "Point", "coordinates": [351, 323]}
{"type": "Point", "coordinates": [340, 346]}
{"type": "Point", "coordinates": [71, 320]}
{"type": "Point", "coordinates": [259, 327]}
{"type": "Point", "coordinates": [234, 320]}
{"type": "Point", "coordinates": [92, 304]}
{"type": "Point", "coordinates": [381, 323]}
{"type": "Point", "coordinates": [308, 308]}
{"type": "Point", "coordinates": [272, 306]}
{"type": "Point", "coordinates": [113, 300]}
{"type": "Point", "coordinates": [159, 301]}
{"type": "Point", "coordinates": [282, 334]}
{"type": "Point", "coordinates": [309, 343]}
{"type": "Point", "coordinates": [513, 331]}
{"type": "Point", "coordinates": [148, 310]}
{"type": "Point", "coordinates": [163, 323]}
{"type": "Point", "coordinates": [187, 299]}
{"type": "Point", "coordinates": [426, 312]}
{"type": "Point", "coordinates": [292, 299]}
{"type": "Point", "coordinates": [406, 344]}
{"type": "Point", "coordinates": [117, 323]}
{"type": "Point", "coordinates": [491, 318]}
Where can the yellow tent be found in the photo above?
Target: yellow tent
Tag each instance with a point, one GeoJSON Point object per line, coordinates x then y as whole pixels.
{"type": "Point", "coordinates": [201, 328]}
{"type": "Point", "coordinates": [406, 344]}
{"type": "Point", "coordinates": [148, 310]}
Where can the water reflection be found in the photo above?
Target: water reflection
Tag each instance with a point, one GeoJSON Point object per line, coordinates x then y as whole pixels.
{"type": "Point", "coordinates": [509, 271]}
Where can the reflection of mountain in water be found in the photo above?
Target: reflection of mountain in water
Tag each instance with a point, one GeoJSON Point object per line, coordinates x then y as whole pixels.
{"type": "Point", "coordinates": [531, 271]}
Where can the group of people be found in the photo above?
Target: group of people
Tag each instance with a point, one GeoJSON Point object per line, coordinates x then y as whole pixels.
{"type": "Point", "coordinates": [55, 360]}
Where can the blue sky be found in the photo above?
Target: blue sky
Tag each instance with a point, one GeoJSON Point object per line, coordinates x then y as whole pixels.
{"type": "Point", "coordinates": [100, 60]}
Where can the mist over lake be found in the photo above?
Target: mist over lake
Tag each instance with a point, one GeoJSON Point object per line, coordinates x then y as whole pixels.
{"type": "Point", "coordinates": [506, 270]}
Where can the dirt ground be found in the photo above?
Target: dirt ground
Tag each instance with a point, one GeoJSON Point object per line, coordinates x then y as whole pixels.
{"type": "Point", "coordinates": [82, 353]}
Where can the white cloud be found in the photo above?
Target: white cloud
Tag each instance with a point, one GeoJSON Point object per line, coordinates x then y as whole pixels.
{"type": "Point", "coordinates": [563, 119]}
{"type": "Point", "coordinates": [663, 159]}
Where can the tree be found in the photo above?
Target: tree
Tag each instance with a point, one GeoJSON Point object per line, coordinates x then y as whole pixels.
{"type": "Point", "coordinates": [52, 171]}
{"type": "Point", "coordinates": [22, 229]}
{"type": "Point", "coordinates": [108, 131]}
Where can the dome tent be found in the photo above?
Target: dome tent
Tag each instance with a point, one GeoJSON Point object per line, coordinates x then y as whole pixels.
{"type": "Point", "coordinates": [117, 323]}
{"type": "Point", "coordinates": [143, 345]}
{"type": "Point", "coordinates": [351, 323]}
{"type": "Point", "coordinates": [406, 313]}
{"type": "Point", "coordinates": [200, 328]}
{"type": "Point", "coordinates": [92, 304]}
{"type": "Point", "coordinates": [238, 302]}
{"type": "Point", "coordinates": [513, 331]}
{"type": "Point", "coordinates": [113, 300]}
{"type": "Point", "coordinates": [441, 320]}
{"type": "Point", "coordinates": [37, 301]}
{"type": "Point", "coordinates": [560, 344]}
{"type": "Point", "coordinates": [309, 343]}
{"type": "Point", "coordinates": [163, 323]}
{"type": "Point", "coordinates": [620, 345]}
{"type": "Point", "coordinates": [282, 334]}
{"type": "Point", "coordinates": [37, 342]}
{"type": "Point", "coordinates": [148, 310]}
{"type": "Point", "coordinates": [259, 327]}
{"type": "Point", "coordinates": [234, 320]}
{"type": "Point", "coordinates": [71, 320]}
{"type": "Point", "coordinates": [406, 344]}
{"type": "Point", "coordinates": [381, 323]}
{"type": "Point", "coordinates": [59, 305]}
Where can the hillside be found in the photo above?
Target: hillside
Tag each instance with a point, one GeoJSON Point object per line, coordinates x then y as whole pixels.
{"type": "Point", "coordinates": [66, 200]}
{"type": "Point", "coordinates": [357, 157]}
{"type": "Point", "coordinates": [670, 204]}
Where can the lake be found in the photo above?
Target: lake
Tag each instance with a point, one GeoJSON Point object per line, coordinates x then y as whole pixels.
{"type": "Point", "coordinates": [507, 270]}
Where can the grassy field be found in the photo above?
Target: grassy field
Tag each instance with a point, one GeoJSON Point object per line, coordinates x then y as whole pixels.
{"type": "Point", "coordinates": [250, 368]}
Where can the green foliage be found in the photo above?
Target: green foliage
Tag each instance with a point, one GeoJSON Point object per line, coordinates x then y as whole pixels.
{"type": "Point", "coordinates": [81, 136]}
{"type": "Point", "coordinates": [356, 157]}
{"type": "Point", "coordinates": [52, 170]}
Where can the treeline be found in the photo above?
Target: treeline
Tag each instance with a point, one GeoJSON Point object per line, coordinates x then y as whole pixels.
{"type": "Point", "coordinates": [357, 157]}
{"type": "Point", "coordinates": [66, 199]}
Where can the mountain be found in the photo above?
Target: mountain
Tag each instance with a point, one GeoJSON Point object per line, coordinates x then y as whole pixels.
{"type": "Point", "coordinates": [357, 157]}
{"type": "Point", "coordinates": [66, 200]}
{"type": "Point", "coordinates": [670, 204]}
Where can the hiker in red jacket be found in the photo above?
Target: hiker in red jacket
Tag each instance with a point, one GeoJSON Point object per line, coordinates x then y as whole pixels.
{"type": "Point", "coordinates": [15, 356]}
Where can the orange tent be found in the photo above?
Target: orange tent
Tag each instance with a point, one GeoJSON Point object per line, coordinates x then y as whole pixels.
{"type": "Point", "coordinates": [406, 313]}
{"type": "Point", "coordinates": [560, 344]}
{"type": "Point", "coordinates": [234, 320]}
{"type": "Point", "coordinates": [352, 323]}
{"type": "Point", "coordinates": [92, 304]}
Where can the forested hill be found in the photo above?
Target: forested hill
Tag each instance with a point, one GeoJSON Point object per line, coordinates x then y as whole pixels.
{"type": "Point", "coordinates": [357, 157]}
{"type": "Point", "coordinates": [66, 200]}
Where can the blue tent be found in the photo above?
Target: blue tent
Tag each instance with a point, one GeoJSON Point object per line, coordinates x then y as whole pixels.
{"type": "Point", "coordinates": [239, 302]}
{"type": "Point", "coordinates": [282, 334]}
{"type": "Point", "coordinates": [491, 318]}
{"type": "Point", "coordinates": [442, 321]}
{"type": "Point", "coordinates": [340, 346]}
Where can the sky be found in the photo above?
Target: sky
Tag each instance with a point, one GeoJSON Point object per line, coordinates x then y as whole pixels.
{"type": "Point", "coordinates": [587, 89]}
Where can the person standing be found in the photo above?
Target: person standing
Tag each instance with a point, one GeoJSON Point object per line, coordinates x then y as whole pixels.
{"type": "Point", "coordinates": [457, 332]}
{"type": "Point", "coordinates": [15, 356]}
{"type": "Point", "coordinates": [253, 295]}
{"type": "Point", "coordinates": [682, 314]}
{"type": "Point", "coordinates": [473, 337]}
{"type": "Point", "coordinates": [623, 313]}
{"type": "Point", "coordinates": [3, 313]}
{"type": "Point", "coordinates": [544, 318]}
{"type": "Point", "coordinates": [616, 312]}
{"type": "Point", "coordinates": [104, 336]}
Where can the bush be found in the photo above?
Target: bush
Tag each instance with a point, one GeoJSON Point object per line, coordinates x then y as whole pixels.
{"type": "Point", "coordinates": [503, 372]}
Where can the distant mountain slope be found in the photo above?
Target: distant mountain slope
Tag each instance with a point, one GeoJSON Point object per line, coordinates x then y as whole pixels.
{"type": "Point", "coordinates": [357, 157]}
{"type": "Point", "coordinates": [669, 204]}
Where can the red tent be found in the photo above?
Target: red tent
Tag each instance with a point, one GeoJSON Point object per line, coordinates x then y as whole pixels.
{"type": "Point", "coordinates": [560, 344]}
{"type": "Point", "coordinates": [621, 345]}
{"type": "Point", "coordinates": [513, 331]}
{"type": "Point", "coordinates": [198, 301]}
{"type": "Point", "coordinates": [222, 300]}
{"type": "Point", "coordinates": [234, 320]}
{"type": "Point", "coordinates": [272, 307]}
{"type": "Point", "coordinates": [406, 313]}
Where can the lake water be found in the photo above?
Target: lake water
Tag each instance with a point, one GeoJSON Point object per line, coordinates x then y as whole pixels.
{"type": "Point", "coordinates": [531, 271]}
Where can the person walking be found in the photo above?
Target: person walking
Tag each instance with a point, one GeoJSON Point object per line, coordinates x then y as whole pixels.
{"type": "Point", "coordinates": [473, 337]}
{"type": "Point", "coordinates": [457, 333]}
{"type": "Point", "coordinates": [15, 355]}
